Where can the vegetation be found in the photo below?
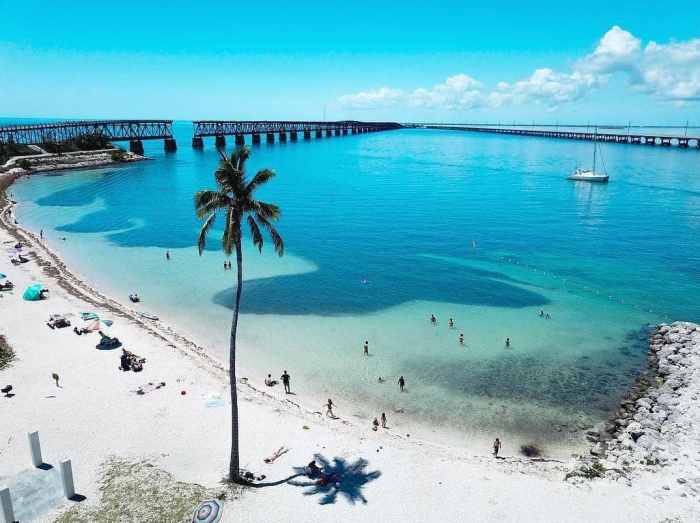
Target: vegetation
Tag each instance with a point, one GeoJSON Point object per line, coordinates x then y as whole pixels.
{"type": "Point", "coordinates": [140, 492]}
{"type": "Point", "coordinates": [234, 198]}
{"type": "Point", "coordinates": [88, 142]}
{"type": "Point", "coordinates": [592, 471]}
{"type": "Point", "coordinates": [6, 353]}
{"type": "Point", "coordinates": [8, 150]}
{"type": "Point", "coordinates": [25, 164]}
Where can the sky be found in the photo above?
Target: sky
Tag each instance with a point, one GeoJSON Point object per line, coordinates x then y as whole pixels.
{"type": "Point", "coordinates": [508, 61]}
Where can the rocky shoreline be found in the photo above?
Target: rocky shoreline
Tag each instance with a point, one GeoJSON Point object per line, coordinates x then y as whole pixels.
{"type": "Point", "coordinates": [71, 160]}
{"type": "Point", "coordinates": [657, 425]}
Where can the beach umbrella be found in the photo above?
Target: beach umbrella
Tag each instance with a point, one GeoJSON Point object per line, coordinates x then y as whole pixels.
{"type": "Point", "coordinates": [207, 512]}
{"type": "Point", "coordinates": [33, 292]}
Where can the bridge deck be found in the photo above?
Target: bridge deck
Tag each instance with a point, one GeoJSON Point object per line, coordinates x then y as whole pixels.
{"type": "Point", "coordinates": [240, 127]}
{"type": "Point", "coordinates": [642, 139]}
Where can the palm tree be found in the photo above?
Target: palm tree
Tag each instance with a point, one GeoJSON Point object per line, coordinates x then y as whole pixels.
{"type": "Point", "coordinates": [234, 198]}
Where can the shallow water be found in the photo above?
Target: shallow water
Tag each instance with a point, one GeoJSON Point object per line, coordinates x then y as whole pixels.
{"type": "Point", "coordinates": [384, 229]}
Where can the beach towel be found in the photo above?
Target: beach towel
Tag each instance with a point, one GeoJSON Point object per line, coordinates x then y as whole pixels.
{"type": "Point", "coordinates": [89, 316]}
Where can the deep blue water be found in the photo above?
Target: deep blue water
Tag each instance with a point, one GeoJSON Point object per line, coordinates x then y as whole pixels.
{"type": "Point", "coordinates": [385, 228]}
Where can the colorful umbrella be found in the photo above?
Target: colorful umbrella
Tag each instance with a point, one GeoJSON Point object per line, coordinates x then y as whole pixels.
{"type": "Point", "coordinates": [33, 292]}
{"type": "Point", "coordinates": [207, 512]}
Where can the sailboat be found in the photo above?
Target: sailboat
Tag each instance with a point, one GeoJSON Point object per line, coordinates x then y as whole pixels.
{"type": "Point", "coordinates": [589, 175]}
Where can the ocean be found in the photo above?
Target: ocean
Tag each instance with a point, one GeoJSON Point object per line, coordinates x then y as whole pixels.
{"type": "Point", "coordinates": [384, 229]}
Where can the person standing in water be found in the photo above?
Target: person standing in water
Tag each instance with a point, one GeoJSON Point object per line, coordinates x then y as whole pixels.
{"type": "Point", "coordinates": [366, 348]}
{"type": "Point", "coordinates": [383, 420]}
{"type": "Point", "coordinates": [41, 234]}
{"type": "Point", "coordinates": [402, 383]}
{"type": "Point", "coordinates": [461, 338]}
{"type": "Point", "coordinates": [329, 408]}
{"type": "Point", "coordinates": [285, 382]}
{"type": "Point", "coordinates": [433, 319]}
{"type": "Point", "coordinates": [451, 323]}
{"type": "Point", "coordinates": [496, 447]}
{"type": "Point", "coordinates": [507, 342]}
{"type": "Point", "coordinates": [167, 255]}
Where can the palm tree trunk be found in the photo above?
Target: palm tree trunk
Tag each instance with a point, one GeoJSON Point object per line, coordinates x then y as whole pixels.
{"type": "Point", "coordinates": [234, 467]}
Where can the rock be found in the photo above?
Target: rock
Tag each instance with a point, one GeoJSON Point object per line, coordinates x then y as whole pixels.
{"type": "Point", "coordinates": [682, 481]}
{"type": "Point", "coordinates": [598, 449]}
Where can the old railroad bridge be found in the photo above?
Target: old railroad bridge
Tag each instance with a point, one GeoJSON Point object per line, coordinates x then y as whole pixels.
{"type": "Point", "coordinates": [135, 131]}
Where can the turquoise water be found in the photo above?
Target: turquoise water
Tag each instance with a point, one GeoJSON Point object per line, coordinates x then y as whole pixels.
{"type": "Point", "coordinates": [384, 229]}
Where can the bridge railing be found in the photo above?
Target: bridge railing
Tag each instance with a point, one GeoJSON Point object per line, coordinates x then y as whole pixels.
{"type": "Point", "coordinates": [240, 127]}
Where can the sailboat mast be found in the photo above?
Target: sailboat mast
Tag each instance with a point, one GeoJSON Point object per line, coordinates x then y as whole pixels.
{"type": "Point", "coordinates": [595, 145]}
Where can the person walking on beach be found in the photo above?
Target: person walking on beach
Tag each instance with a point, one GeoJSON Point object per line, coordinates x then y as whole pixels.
{"type": "Point", "coordinates": [329, 408]}
{"type": "Point", "coordinates": [55, 378]}
{"type": "Point", "coordinates": [402, 383]}
{"type": "Point", "coordinates": [285, 382]}
{"type": "Point", "coordinates": [366, 348]}
{"type": "Point", "coordinates": [496, 447]}
{"type": "Point", "coordinates": [167, 255]}
{"type": "Point", "coordinates": [383, 420]}
{"type": "Point", "coordinates": [41, 234]}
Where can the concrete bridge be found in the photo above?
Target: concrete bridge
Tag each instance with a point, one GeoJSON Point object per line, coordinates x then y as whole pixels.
{"type": "Point", "coordinates": [647, 138]}
{"type": "Point", "coordinates": [133, 131]}
{"type": "Point", "coordinates": [219, 129]}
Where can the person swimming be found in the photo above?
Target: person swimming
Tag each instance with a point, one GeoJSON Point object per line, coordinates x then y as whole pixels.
{"type": "Point", "coordinates": [451, 323]}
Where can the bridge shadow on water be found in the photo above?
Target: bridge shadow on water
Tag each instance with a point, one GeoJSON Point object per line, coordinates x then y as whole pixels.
{"type": "Point", "coordinates": [339, 478]}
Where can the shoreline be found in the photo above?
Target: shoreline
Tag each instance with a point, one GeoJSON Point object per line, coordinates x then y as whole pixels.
{"type": "Point", "coordinates": [525, 485]}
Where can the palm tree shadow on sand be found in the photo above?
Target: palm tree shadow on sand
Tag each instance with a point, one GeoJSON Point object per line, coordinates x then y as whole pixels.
{"type": "Point", "coordinates": [339, 478]}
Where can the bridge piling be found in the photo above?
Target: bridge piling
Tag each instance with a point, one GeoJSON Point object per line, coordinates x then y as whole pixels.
{"type": "Point", "coordinates": [293, 136]}
{"type": "Point", "coordinates": [307, 135]}
{"type": "Point", "coordinates": [319, 133]}
{"type": "Point", "coordinates": [283, 137]}
{"type": "Point", "coordinates": [345, 131]}
{"type": "Point", "coordinates": [270, 138]}
{"type": "Point", "coordinates": [240, 140]}
{"type": "Point", "coordinates": [220, 141]}
{"type": "Point", "coordinates": [329, 133]}
{"type": "Point", "coordinates": [197, 142]}
{"type": "Point", "coordinates": [170, 145]}
{"type": "Point", "coordinates": [136, 147]}
{"type": "Point", "coordinates": [256, 139]}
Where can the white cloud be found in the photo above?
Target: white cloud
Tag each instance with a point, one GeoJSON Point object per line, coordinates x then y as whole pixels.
{"type": "Point", "coordinates": [460, 91]}
{"type": "Point", "coordinates": [672, 71]}
{"type": "Point", "coordinates": [665, 71]}
{"type": "Point", "coordinates": [382, 97]}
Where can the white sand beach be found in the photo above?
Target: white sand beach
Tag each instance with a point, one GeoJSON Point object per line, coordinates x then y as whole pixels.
{"type": "Point", "coordinates": [183, 428]}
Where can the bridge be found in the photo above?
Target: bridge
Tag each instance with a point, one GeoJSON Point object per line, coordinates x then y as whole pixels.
{"type": "Point", "coordinates": [133, 131]}
{"type": "Point", "coordinates": [219, 129]}
{"type": "Point", "coordinates": [648, 138]}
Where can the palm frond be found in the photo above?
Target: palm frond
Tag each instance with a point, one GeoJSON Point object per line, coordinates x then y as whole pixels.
{"type": "Point", "coordinates": [202, 239]}
{"type": "Point", "coordinates": [260, 178]}
{"type": "Point", "coordinates": [274, 235]}
{"type": "Point", "coordinates": [239, 156]}
{"type": "Point", "coordinates": [268, 210]}
{"type": "Point", "coordinates": [206, 202]}
{"type": "Point", "coordinates": [255, 233]}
